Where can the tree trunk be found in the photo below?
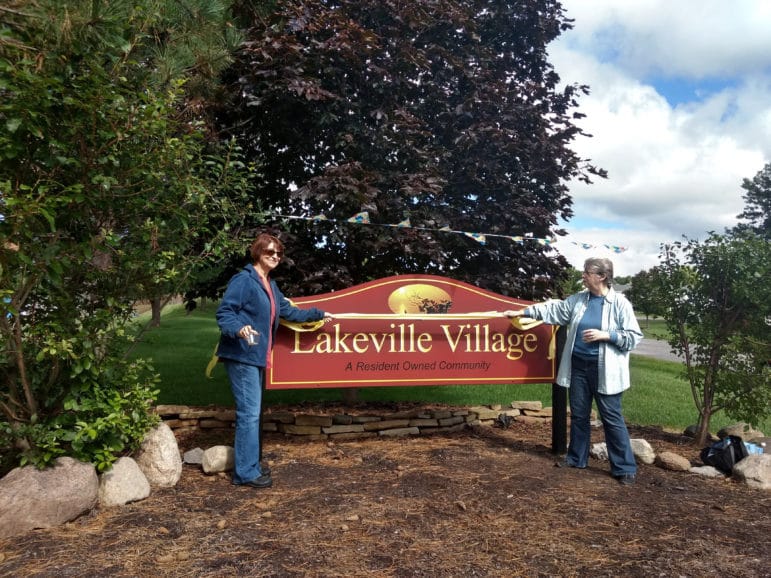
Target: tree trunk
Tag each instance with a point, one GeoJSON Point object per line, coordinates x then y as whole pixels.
{"type": "Point", "coordinates": [155, 304]}
{"type": "Point", "coordinates": [702, 433]}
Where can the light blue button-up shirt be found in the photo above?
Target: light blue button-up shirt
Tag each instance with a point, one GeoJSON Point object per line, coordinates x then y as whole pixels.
{"type": "Point", "coordinates": [618, 319]}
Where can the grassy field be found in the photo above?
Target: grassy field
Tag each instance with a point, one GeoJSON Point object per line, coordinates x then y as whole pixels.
{"type": "Point", "coordinates": [654, 328]}
{"type": "Point", "coordinates": [182, 347]}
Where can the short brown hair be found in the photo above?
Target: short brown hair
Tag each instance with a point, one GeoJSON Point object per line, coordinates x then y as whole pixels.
{"type": "Point", "coordinates": [601, 267]}
{"type": "Point", "coordinates": [261, 243]}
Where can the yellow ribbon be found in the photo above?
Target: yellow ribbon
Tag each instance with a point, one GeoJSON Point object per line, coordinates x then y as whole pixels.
{"type": "Point", "coordinates": [523, 324]}
{"type": "Point", "coordinates": [212, 362]}
{"type": "Point", "coordinates": [526, 324]}
{"type": "Point", "coordinates": [304, 326]}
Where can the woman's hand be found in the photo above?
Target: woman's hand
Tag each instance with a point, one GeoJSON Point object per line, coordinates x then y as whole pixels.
{"type": "Point", "coordinates": [590, 335]}
{"type": "Point", "coordinates": [328, 317]}
{"type": "Point", "coordinates": [511, 313]}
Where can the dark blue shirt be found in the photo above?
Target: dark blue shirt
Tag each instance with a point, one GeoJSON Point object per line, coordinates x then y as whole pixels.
{"type": "Point", "coordinates": [592, 319]}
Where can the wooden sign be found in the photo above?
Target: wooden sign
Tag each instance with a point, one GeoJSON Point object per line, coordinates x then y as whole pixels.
{"type": "Point", "coordinates": [412, 330]}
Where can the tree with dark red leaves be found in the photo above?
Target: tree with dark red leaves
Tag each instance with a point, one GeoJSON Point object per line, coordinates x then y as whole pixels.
{"type": "Point", "coordinates": [447, 113]}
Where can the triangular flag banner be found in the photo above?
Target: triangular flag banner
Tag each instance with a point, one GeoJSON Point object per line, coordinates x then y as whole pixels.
{"type": "Point", "coordinates": [481, 238]}
{"type": "Point", "coordinates": [362, 217]}
{"type": "Point", "coordinates": [477, 237]}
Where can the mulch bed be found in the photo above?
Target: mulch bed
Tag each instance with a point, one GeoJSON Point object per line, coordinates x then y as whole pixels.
{"type": "Point", "coordinates": [483, 502]}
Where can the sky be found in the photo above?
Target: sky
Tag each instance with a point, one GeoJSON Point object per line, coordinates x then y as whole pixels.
{"type": "Point", "coordinates": [680, 113]}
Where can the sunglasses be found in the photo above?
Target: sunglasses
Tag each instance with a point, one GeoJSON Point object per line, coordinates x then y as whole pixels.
{"type": "Point", "coordinates": [273, 253]}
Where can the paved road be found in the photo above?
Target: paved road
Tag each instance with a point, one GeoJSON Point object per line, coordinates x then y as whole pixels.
{"type": "Point", "coordinates": [657, 349]}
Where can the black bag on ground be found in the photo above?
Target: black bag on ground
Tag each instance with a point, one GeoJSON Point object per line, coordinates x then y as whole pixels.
{"type": "Point", "coordinates": [725, 453]}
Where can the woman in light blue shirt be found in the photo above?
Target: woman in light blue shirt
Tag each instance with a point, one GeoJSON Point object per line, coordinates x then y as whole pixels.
{"type": "Point", "coordinates": [596, 365]}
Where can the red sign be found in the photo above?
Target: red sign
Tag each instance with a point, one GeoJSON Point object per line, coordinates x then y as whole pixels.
{"type": "Point", "coordinates": [411, 330]}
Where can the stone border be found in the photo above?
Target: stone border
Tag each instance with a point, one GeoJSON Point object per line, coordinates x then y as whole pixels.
{"type": "Point", "coordinates": [184, 419]}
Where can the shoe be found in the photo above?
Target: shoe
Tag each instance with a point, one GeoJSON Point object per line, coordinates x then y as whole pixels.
{"type": "Point", "coordinates": [265, 468]}
{"type": "Point", "coordinates": [626, 479]}
{"type": "Point", "coordinates": [264, 481]}
{"type": "Point", "coordinates": [566, 464]}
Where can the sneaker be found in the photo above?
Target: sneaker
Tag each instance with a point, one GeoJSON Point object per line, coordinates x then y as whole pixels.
{"type": "Point", "coordinates": [626, 479]}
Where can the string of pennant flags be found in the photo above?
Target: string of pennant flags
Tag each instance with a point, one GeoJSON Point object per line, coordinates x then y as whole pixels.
{"type": "Point", "coordinates": [362, 218]}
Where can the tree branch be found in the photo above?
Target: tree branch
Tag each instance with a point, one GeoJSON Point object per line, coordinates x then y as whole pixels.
{"type": "Point", "coordinates": [22, 367]}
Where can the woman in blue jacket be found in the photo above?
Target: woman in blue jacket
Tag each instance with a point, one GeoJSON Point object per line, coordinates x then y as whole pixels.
{"type": "Point", "coordinates": [602, 330]}
{"type": "Point", "coordinates": [248, 318]}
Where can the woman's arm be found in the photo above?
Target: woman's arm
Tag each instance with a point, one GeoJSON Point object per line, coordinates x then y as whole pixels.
{"type": "Point", "coordinates": [228, 313]}
{"type": "Point", "coordinates": [553, 312]}
{"type": "Point", "coordinates": [291, 313]}
{"type": "Point", "coordinates": [627, 333]}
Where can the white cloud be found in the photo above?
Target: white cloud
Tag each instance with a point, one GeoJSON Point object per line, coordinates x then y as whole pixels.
{"type": "Point", "coordinates": [674, 169]}
{"type": "Point", "coordinates": [684, 37]}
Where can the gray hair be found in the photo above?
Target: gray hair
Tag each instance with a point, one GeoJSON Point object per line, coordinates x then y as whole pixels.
{"type": "Point", "coordinates": [601, 267]}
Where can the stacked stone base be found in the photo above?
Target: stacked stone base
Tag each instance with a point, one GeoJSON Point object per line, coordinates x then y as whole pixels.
{"type": "Point", "coordinates": [345, 426]}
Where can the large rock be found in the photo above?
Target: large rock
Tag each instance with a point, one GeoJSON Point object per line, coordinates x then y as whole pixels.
{"type": "Point", "coordinates": [193, 457]}
{"type": "Point", "coordinates": [32, 498]}
{"type": "Point", "coordinates": [691, 431]}
{"type": "Point", "coordinates": [159, 458]}
{"type": "Point", "coordinates": [218, 459]}
{"type": "Point", "coordinates": [122, 484]}
{"type": "Point", "coordinates": [754, 470]}
{"type": "Point", "coordinates": [599, 451]}
{"type": "Point", "coordinates": [673, 461]}
{"type": "Point", "coordinates": [643, 452]}
{"type": "Point", "coordinates": [707, 471]}
{"type": "Point", "coordinates": [741, 429]}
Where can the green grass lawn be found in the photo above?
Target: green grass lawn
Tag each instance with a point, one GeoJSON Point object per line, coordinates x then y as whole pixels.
{"type": "Point", "coordinates": [653, 327]}
{"type": "Point", "coordinates": [181, 348]}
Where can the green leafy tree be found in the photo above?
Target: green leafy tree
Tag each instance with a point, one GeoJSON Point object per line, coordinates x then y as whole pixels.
{"type": "Point", "coordinates": [195, 41]}
{"type": "Point", "coordinates": [107, 182]}
{"type": "Point", "coordinates": [572, 282]}
{"type": "Point", "coordinates": [443, 113]}
{"type": "Point", "coordinates": [644, 293]}
{"type": "Point", "coordinates": [719, 306]}
{"type": "Point", "coordinates": [757, 204]}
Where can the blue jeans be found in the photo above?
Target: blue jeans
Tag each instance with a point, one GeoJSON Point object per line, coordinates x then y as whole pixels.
{"type": "Point", "coordinates": [583, 389]}
{"type": "Point", "coordinates": [246, 384]}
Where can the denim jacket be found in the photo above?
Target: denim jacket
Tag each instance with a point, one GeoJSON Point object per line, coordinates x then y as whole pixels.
{"type": "Point", "coordinates": [246, 302]}
{"type": "Point", "coordinates": [618, 319]}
